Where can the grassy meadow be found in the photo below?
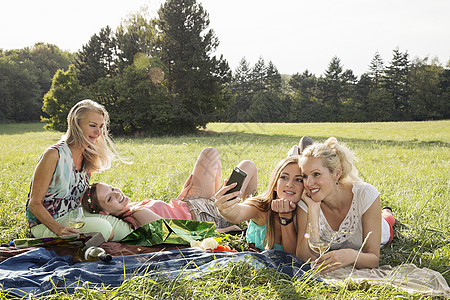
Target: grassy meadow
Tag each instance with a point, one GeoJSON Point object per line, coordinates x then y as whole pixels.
{"type": "Point", "coordinates": [408, 162]}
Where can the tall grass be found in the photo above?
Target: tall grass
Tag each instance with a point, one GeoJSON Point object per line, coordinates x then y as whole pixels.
{"type": "Point", "coordinates": [408, 162]}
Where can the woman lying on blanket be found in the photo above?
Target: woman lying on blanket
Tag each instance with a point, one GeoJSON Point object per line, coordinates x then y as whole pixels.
{"type": "Point", "coordinates": [195, 202]}
{"type": "Point", "coordinates": [344, 207]}
{"type": "Point", "coordinates": [271, 214]}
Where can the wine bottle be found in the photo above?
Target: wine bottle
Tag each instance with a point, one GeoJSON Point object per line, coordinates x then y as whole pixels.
{"type": "Point", "coordinates": [94, 253]}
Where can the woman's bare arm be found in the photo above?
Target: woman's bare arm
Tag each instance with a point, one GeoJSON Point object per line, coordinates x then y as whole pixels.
{"type": "Point", "coordinates": [41, 180]}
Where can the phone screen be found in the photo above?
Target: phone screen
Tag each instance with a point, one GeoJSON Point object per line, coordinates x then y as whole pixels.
{"type": "Point", "coordinates": [237, 176]}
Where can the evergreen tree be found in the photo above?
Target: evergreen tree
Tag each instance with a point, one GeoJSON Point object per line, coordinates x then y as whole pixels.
{"type": "Point", "coordinates": [376, 69]}
{"type": "Point", "coordinates": [258, 76]}
{"type": "Point", "coordinates": [380, 105]}
{"type": "Point", "coordinates": [332, 89]}
{"type": "Point", "coordinates": [357, 108]}
{"type": "Point", "coordinates": [196, 79]}
{"type": "Point", "coordinates": [305, 106]}
{"type": "Point", "coordinates": [396, 84]}
{"type": "Point", "coordinates": [98, 58]}
{"type": "Point", "coordinates": [273, 78]}
{"type": "Point", "coordinates": [242, 90]}
{"type": "Point", "coordinates": [305, 82]}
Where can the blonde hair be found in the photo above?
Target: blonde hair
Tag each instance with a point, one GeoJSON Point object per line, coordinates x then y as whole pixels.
{"type": "Point", "coordinates": [99, 155]}
{"type": "Point", "coordinates": [334, 155]}
{"type": "Point", "coordinates": [263, 202]}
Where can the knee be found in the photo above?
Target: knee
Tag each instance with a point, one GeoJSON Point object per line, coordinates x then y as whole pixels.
{"type": "Point", "coordinates": [248, 167]}
{"type": "Point", "coordinates": [210, 153]}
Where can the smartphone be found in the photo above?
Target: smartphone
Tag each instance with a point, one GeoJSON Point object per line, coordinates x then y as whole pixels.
{"type": "Point", "coordinates": [237, 176]}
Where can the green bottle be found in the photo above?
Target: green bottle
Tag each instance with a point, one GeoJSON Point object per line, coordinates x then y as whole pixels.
{"type": "Point", "coordinates": [94, 253]}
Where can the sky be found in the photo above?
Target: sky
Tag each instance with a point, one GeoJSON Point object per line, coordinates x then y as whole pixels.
{"type": "Point", "coordinates": [294, 34]}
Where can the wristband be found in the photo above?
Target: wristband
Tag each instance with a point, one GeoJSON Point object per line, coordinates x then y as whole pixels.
{"type": "Point", "coordinates": [284, 221]}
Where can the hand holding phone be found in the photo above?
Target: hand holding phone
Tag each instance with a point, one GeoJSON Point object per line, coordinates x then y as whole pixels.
{"type": "Point", "coordinates": [237, 176]}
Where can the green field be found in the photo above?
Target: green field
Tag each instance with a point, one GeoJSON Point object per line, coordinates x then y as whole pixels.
{"type": "Point", "coordinates": [408, 162]}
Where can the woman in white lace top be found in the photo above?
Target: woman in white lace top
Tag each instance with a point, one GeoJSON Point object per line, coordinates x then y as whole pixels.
{"type": "Point", "coordinates": [343, 206]}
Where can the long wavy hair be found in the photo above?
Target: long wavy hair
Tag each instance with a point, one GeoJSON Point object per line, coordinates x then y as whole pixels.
{"type": "Point", "coordinates": [264, 200]}
{"type": "Point", "coordinates": [99, 155]}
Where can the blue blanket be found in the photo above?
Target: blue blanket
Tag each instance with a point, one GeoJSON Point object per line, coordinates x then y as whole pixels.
{"type": "Point", "coordinates": [42, 272]}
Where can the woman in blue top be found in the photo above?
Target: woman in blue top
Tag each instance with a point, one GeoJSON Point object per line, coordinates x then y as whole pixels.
{"type": "Point", "coordinates": [62, 175]}
{"type": "Point", "coordinates": [271, 214]}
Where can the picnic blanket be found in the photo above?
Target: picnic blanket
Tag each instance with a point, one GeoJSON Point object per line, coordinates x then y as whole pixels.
{"type": "Point", "coordinates": [41, 271]}
{"type": "Point", "coordinates": [406, 277]}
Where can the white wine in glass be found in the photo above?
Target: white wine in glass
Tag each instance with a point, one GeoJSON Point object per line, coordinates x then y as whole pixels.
{"type": "Point", "coordinates": [319, 247]}
{"type": "Point", "coordinates": [77, 218]}
{"type": "Point", "coordinates": [318, 243]}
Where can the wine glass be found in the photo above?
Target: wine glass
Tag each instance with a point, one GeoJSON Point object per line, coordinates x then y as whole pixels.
{"type": "Point", "coordinates": [319, 243]}
{"type": "Point", "coordinates": [77, 218]}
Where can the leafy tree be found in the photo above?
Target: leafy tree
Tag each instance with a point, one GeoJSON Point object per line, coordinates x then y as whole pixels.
{"type": "Point", "coordinates": [267, 107]}
{"type": "Point", "coordinates": [196, 79]}
{"type": "Point", "coordinates": [29, 73]}
{"type": "Point", "coordinates": [18, 103]}
{"type": "Point", "coordinates": [144, 105]}
{"type": "Point", "coordinates": [356, 106]}
{"type": "Point", "coordinates": [380, 105]}
{"type": "Point", "coordinates": [425, 99]}
{"type": "Point", "coordinates": [305, 108]}
{"type": "Point", "coordinates": [444, 95]}
{"type": "Point", "coordinates": [48, 58]}
{"type": "Point", "coordinates": [66, 90]}
{"type": "Point", "coordinates": [136, 38]}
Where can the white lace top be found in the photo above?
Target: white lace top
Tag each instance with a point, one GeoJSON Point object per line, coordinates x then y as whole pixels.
{"type": "Point", "coordinates": [350, 233]}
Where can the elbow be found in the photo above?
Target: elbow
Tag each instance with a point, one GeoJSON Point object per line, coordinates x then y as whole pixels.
{"type": "Point", "coordinates": [231, 219]}
{"type": "Point", "coordinates": [371, 265]}
{"type": "Point", "coordinates": [33, 206]}
{"type": "Point", "coordinates": [375, 263]}
{"type": "Point", "coordinates": [370, 262]}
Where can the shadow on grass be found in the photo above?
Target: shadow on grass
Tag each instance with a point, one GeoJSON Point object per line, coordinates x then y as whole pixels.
{"type": "Point", "coordinates": [20, 128]}
{"type": "Point", "coordinates": [225, 138]}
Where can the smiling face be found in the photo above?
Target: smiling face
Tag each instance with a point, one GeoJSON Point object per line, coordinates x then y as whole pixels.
{"type": "Point", "coordinates": [318, 180]}
{"type": "Point", "coordinates": [290, 183]}
{"type": "Point", "coordinates": [111, 199]}
{"type": "Point", "coordinates": [92, 125]}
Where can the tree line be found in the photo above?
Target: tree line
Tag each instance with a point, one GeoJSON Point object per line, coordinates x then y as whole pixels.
{"type": "Point", "coordinates": [160, 76]}
{"type": "Point", "coordinates": [402, 90]}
